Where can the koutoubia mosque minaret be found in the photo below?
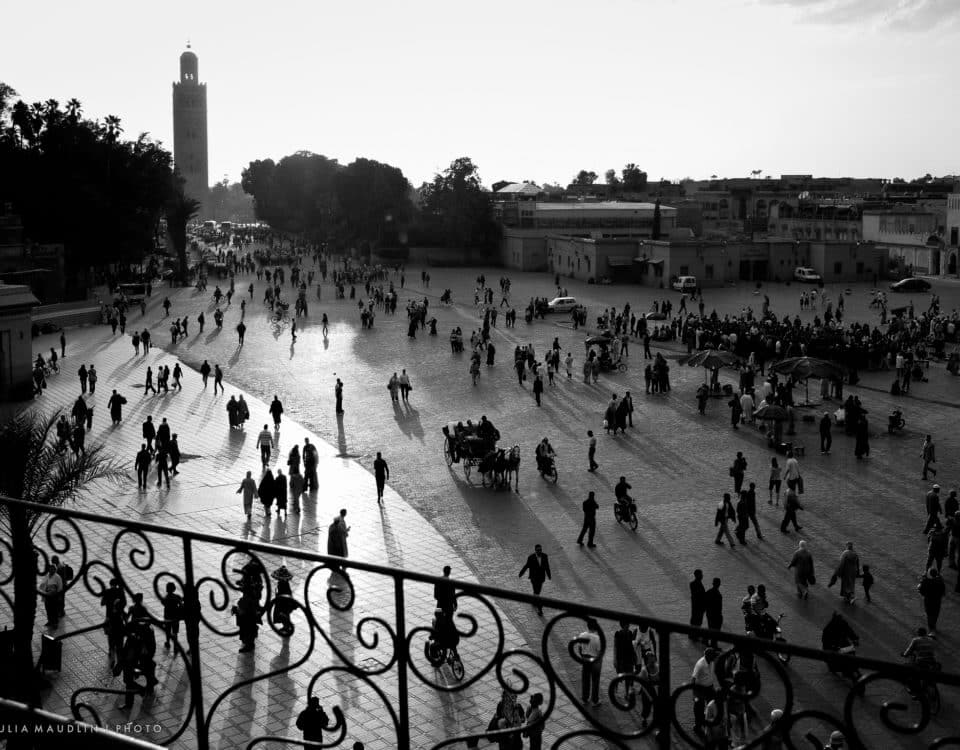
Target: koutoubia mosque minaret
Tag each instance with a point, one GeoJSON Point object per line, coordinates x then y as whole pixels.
{"type": "Point", "coordinates": [190, 127]}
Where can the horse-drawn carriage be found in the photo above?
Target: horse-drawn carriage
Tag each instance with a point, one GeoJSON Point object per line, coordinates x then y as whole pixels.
{"type": "Point", "coordinates": [475, 447]}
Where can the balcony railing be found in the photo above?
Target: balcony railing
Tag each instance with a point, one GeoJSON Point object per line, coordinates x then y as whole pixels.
{"type": "Point", "coordinates": [880, 704]}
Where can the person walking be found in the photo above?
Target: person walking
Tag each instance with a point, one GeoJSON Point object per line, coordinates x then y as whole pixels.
{"type": "Point", "coordinates": [537, 567]}
{"type": "Point", "coordinates": [713, 606]}
{"type": "Point", "coordinates": [750, 495]}
{"type": "Point", "coordinates": [848, 570]}
{"type": "Point", "coordinates": [704, 687]}
{"type": "Point", "coordinates": [933, 508]}
{"type": "Point", "coordinates": [590, 651]}
{"type": "Point", "coordinates": [265, 444]}
{"type": "Point", "coordinates": [791, 472]}
{"type": "Point", "coordinates": [337, 534]}
{"type": "Point", "coordinates": [928, 452]}
{"type": "Point", "coordinates": [63, 345]}
{"type": "Point", "coordinates": [791, 504]}
{"type": "Point", "coordinates": [698, 601]}
{"type": "Point", "coordinates": [92, 379]}
{"type": "Point", "coordinates": [826, 438]}
{"type": "Point", "coordinates": [737, 471]}
{"type": "Point", "coordinates": [802, 564]}
{"type": "Point", "coordinates": [276, 410]}
{"type": "Point", "coordinates": [205, 373]}
{"type": "Point", "coordinates": [265, 491]}
{"type": "Point", "coordinates": [241, 332]}
{"type": "Point", "coordinates": [249, 489]}
{"type": "Point", "coordinates": [393, 385]}
{"type": "Point", "coordinates": [338, 395]}
{"type": "Point", "coordinates": [313, 720]}
{"type": "Point", "coordinates": [590, 507]}
{"type": "Point", "coordinates": [82, 374]}
{"type": "Point", "coordinates": [173, 450]}
{"type": "Point", "coordinates": [381, 473]}
{"type": "Point", "coordinates": [163, 466]}
{"type": "Point", "coordinates": [142, 464]}
{"type": "Point", "coordinates": [405, 386]}
{"type": "Point", "coordinates": [149, 432]}
{"type": "Point", "coordinates": [310, 460]}
{"type": "Point", "coordinates": [743, 519]}
{"type": "Point", "coordinates": [725, 513]}
{"type": "Point", "coordinates": [592, 451]}
{"type": "Point", "coordinates": [537, 388]}
{"type": "Point", "coordinates": [932, 589]}
{"type": "Point", "coordinates": [177, 374]}
{"type": "Point", "coordinates": [280, 492]}
{"type": "Point", "coordinates": [115, 404]}
{"type": "Point", "coordinates": [217, 379]}
{"type": "Point", "coordinates": [776, 480]}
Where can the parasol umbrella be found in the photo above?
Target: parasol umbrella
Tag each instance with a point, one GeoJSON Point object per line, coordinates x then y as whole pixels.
{"type": "Point", "coordinates": [713, 359]}
{"type": "Point", "coordinates": [804, 368]}
{"type": "Point", "coordinates": [603, 339]}
{"type": "Point", "coordinates": [773, 413]}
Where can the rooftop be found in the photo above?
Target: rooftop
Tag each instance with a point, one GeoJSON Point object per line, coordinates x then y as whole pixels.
{"type": "Point", "coordinates": [598, 206]}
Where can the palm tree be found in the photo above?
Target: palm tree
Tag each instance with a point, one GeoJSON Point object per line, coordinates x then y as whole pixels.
{"type": "Point", "coordinates": [73, 110]}
{"type": "Point", "coordinates": [112, 128]}
{"type": "Point", "coordinates": [180, 209]}
{"type": "Point", "coordinates": [33, 470]}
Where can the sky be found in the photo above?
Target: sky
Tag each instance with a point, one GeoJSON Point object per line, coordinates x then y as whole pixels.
{"type": "Point", "coordinates": [532, 90]}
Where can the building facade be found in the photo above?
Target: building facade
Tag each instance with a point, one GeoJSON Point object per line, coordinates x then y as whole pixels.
{"type": "Point", "coordinates": [952, 234]}
{"type": "Point", "coordinates": [190, 128]}
{"type": "Point", "coordinates": [912, 237]}
{"type": "Point", "coordinates": [527, 225]}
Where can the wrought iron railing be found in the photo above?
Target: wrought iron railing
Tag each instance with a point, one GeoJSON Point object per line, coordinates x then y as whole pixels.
{"type": "Point", "coordinates": [881, 704]}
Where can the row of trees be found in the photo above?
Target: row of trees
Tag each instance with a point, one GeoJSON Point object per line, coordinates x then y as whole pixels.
{"type": "Point", "coordinates": [370, 204]}
{"type": "Point", "coordinates": [631, 178]}
{"type": "Point", "coordinates": [77, 181]}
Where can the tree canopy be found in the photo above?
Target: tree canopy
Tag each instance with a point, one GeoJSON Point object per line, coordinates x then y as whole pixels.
{"type": "Point", "coordinates": [633, 178]}
{"type": "Point", "coordinates": [77, 181]}
{"type": "Point", "coordinates": [585, 178]}
{"type": "Point", "coordinates": [455, 209]}
{"type": "Point", "coordinates": [310, 194]}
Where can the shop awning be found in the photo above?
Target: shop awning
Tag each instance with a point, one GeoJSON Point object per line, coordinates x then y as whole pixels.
{"type": "Point", "coordinates": [650, 261]}
{"type": "Point", "coordinates": [620, 262]}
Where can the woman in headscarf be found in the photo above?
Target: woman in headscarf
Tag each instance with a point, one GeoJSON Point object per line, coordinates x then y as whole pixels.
{"type": "Point", "coordinates": [265, 491]}
{"type": "Point", "coordinates": [802, 564]}
{"type": "Point", "coordinates": [848, 570]}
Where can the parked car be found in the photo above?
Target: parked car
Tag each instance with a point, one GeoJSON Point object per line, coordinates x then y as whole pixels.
{"type": "Point", "coordinates": [807, 275]}
{"type": "Point", "coordinates": [561, 304]}
{"type": "Point", "coordinates": [135, 293]}
{"type": "Point", "coordinates": [685, 284]}
{"type": "Point", "coordinates": [912, 284]}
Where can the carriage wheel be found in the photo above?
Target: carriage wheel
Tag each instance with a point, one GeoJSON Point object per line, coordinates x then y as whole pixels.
{"type": "Point", "coordinates": [467, 469]}
{"type": "Point", "coordinates": [621, 367]}
{"type": "Point", "coordinates": [448, 451]}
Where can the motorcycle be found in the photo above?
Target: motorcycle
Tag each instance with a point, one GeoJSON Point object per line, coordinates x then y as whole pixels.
{"type": "Point", "coordinates": [839, 638]}
{"type": "Point", "coordinates": [548, 468]}
{"type": "Point", "coordinates": [765, 627]}
{"type": "Point", "coordinates": [895, 421]}
{"type": "Point", "coordinates": [625, 511]}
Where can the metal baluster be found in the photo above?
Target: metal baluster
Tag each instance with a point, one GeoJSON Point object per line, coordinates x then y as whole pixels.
{"type": "Point", "coordinates": [403, 731]}
{"type": "Point", "coordinates": [192, 626]}
{"type": "Point", "coordinates": [664, 709]}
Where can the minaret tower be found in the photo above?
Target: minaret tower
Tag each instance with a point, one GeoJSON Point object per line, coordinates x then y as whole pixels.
{"type": "Point", "coordinates": [190, 128]}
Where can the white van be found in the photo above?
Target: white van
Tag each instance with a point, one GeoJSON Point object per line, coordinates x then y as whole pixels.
{"type": "Point", "coordinates": [685, 284]}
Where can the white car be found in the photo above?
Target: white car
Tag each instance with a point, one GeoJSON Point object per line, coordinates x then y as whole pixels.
{"type": "Point", "coordinates": [562, 304]}
{"type": "Point", "coordinates": [807, 275]}
{"type": "Point", "coordinates": [685, 284]}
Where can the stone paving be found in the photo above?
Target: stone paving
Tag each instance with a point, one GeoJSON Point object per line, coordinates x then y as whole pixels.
{"type": "Point", "coordinates": [675, 460]}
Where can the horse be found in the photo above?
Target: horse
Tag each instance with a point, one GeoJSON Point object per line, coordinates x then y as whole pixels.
{"type": "Point", "coordinates": [512, 467]}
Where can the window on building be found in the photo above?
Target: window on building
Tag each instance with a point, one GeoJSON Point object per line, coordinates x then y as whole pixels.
{"type": "Point", "coordinates": [838, 268]}
{"type": "Point", "coordinates": [859, 268]}
{"type": "Point", "coordinates": [684, 270]}
{"type": "Point", "coordinates": [707, 272]}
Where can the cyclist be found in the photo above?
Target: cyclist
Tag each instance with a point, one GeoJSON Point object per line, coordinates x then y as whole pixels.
{"type": "Point", "coordinates": [445, 635]}
{"type": "Point", "coordinates": [545, 456]}
{"type": "Point", "coordinates": [922, 650]}
{"type": "Point", "coordinates": [623, 498]}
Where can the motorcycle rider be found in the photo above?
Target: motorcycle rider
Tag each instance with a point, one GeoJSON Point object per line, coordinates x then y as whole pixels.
{"type": "Point", "coordinates": [545, 455]}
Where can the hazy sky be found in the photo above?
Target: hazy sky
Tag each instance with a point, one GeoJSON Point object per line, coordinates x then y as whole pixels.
{"type": "Point", "coordinates": [530, 89]}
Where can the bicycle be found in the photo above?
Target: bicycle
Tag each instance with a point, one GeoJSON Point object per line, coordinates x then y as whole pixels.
{"type": "Point", "coordinates": [927, 689]}
{"type": "Point", "coordinates": [626, 513]}
{"type": "Point", "coordinates": [438, 655]}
